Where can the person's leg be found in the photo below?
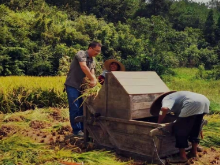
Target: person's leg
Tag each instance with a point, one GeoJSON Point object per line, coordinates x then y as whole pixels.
{"type": "Point", "coordinates": [74, 107]}
{"type": "Point", "coordinates": [80, 113]}
{"type": "Point", "coordinates": [194, 134]}
{"type": "Point", "coordinates": [182, 128]}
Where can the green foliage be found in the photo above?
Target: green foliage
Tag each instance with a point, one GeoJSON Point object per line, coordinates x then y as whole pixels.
{"type": "Point", "coordinates": [213, 74]}
{"type": "Point", "coordinates": [40, 39]}
{"type": "Point", "coordinates": [209, 29]}
{"type": "Point", "coordinates": [187, 14]}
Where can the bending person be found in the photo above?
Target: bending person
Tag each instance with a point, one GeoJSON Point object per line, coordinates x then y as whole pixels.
{"type": "Point", "coordinates": [189, 107]}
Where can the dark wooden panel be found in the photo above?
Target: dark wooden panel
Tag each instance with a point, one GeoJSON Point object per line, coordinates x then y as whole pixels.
{"type": "Point", "coordinates": [118, 103]}
{"type": "Point", "coordinates": [140, 113]}
{"type": "Point", "coordinates": [140, 105]}
{"type": "Point", "coordinates": [99, 103]}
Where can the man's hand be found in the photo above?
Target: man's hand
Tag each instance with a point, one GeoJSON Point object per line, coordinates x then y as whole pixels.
{"type": "Point", "coordinates": [162, 114]}
{"type": "Point", "coordinates": [93, 82]}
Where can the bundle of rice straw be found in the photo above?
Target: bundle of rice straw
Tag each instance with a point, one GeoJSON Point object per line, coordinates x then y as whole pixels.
{"type": "Point", "coordinates": [89, 92]}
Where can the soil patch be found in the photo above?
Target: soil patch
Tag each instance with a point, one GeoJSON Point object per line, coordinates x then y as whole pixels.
{"type": "Point", "coordinates": [36, 124]}
{"type": "Point", "coordinates": [56, 114]}
{"type": "Point", "coordinates": [7, 130]}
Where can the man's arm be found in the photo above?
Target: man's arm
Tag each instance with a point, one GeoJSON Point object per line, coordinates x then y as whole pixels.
{"type": "Point", "coordinates": [162, 114]}
{"type": "Point", "coordinates": [93, 71]}
{"type": "Point", "coordinates": [87, 72]}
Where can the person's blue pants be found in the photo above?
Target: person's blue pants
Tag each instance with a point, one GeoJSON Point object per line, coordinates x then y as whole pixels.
{"type": "Point", "coordinates": [75, 107]}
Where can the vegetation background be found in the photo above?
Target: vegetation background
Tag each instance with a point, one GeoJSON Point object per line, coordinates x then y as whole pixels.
{"type": "Point", "coordinates": [41, 37]}
{"type": "Point", "coordinates": [180, 40]}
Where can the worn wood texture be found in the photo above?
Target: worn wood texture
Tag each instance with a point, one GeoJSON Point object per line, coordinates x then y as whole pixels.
{"type": "Point", "coordinates": [115, 100]}
{"type": "Point", "coordinates": [141, 82]}
{"type": "Point", "coordinates": [140, 105]}
{"type": "Point", "coordinates": [126, 124]}
{"type": "Point", "coordinates": [131, 136]}
{"type": "Point", "coordinates": [117, 104]}
{"type": "Point", "coordinates": [98, 104]}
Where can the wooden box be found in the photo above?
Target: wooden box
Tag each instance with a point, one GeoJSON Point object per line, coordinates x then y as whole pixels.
{"type": "Point", "coordinates": [126, 124]}
{"type": "Point", "coordinates": [128, 95]}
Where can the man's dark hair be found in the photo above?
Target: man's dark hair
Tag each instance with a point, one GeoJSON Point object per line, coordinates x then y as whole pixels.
{"type": "Point", "coordinates": [93, 44]}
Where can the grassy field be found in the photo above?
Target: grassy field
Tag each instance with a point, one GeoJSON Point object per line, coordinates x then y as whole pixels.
{"type": "Point", "coordinates": [43, 136]}
{"type": "Point", "coordinates": [19, 93]}
{"type": "Point", "coordinates": [185, 79]}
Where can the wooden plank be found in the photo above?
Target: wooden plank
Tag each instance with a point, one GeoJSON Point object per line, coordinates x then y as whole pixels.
{"type": "Point", "coordinates": [131, 89]}
{"type": "Point", "coordinates": [144, 97]}
{"type": "Point", "coordinates": [118, 105]}
{"type": "Point", "coordinates": [140, 113]}
{"type": "Point", "coordinates": [134, 143]}
{"type": "Point", "coordinates": [141, 105]}
{"type": "Point", "coordinates": [131, 136]}
{"type": "Point", "coordinates": [141, 82]}
{"type": "Point", "coordinates": [135, 74]}
{"type": "Point", "coordinates": [133, 122]}
{"type": "Point", "coordinates": [98, 105]}
{"type": "Point", "coordinates": [128, 128]}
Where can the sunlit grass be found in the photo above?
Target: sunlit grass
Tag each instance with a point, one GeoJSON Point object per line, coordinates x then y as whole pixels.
{"type": "Point", "coordinates": [17, 149]}
{"type": "Point", "coordinates": [29, 82]}
{"type": "Point", "coordinates": [19, 93]}
{"type": "Point", "coordinates": [185, 80]}
{"type": "Point", "coordinates": [212, 131]}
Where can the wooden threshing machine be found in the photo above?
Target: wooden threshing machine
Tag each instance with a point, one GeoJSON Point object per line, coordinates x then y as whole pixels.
{"type": "Point", "coordinates": [119, 117]}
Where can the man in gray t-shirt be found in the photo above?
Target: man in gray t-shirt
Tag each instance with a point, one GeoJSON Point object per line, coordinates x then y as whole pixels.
{"type": "Point", "coordinates": [190, 108]}
{"type": "Point", "coordinates": [83, 65]}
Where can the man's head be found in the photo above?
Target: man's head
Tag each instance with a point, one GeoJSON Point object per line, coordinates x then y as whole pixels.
{"type": "Point", "coordinates": [94, 49]}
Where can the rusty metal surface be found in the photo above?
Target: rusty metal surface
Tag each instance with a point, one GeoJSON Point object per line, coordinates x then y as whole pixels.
{"type": "Point", "coordinates": [144, 82]}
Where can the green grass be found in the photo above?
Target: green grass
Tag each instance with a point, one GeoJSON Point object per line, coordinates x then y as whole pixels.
{"type": "Point", "coordinates": [212, 131]}
{"type": "Point", "coordinates": [185, 79]}
{"type": "Point", "coordinates": [17, 149]}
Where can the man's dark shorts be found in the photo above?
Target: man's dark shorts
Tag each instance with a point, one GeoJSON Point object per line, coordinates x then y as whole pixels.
{"type": "Point", "coordinates": [187, 128]}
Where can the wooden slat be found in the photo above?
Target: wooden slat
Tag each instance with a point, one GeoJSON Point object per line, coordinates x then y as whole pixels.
{"type": "Point", "coordinates": [141, 82]}
{"type": "Point", "coordinates": [118, 105]}
{"type": "Point", "coordinates": [141, 105]}
{"type": "Point", "coordinates": [140, 113]}
{"type": "Point", "coordinates": [145, 89]}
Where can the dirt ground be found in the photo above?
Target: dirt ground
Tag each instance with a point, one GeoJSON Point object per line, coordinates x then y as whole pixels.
{"type": "Point", "coordinates": [53, 134]}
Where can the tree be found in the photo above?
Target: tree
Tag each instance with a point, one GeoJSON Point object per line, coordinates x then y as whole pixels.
{"type": "Point", "coordinates": [112, 10]}
{"type": "Point", "coordinates": [209, 29]}
{"type": "Point", "coordinates": [217, 31]}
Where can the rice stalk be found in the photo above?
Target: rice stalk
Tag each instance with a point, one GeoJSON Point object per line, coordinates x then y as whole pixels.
{"type": "Point", "coordinates": [89, 92]}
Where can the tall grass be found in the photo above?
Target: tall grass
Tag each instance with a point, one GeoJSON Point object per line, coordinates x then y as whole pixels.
{"type": "Point", "coordinates": [17, 149]}
{"type": "Point", "coordinates": [212, 131]}
{"type": "Point", "coordinates": [18, 93]}
{"type": "Point", "coordinates": [186, 79]}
